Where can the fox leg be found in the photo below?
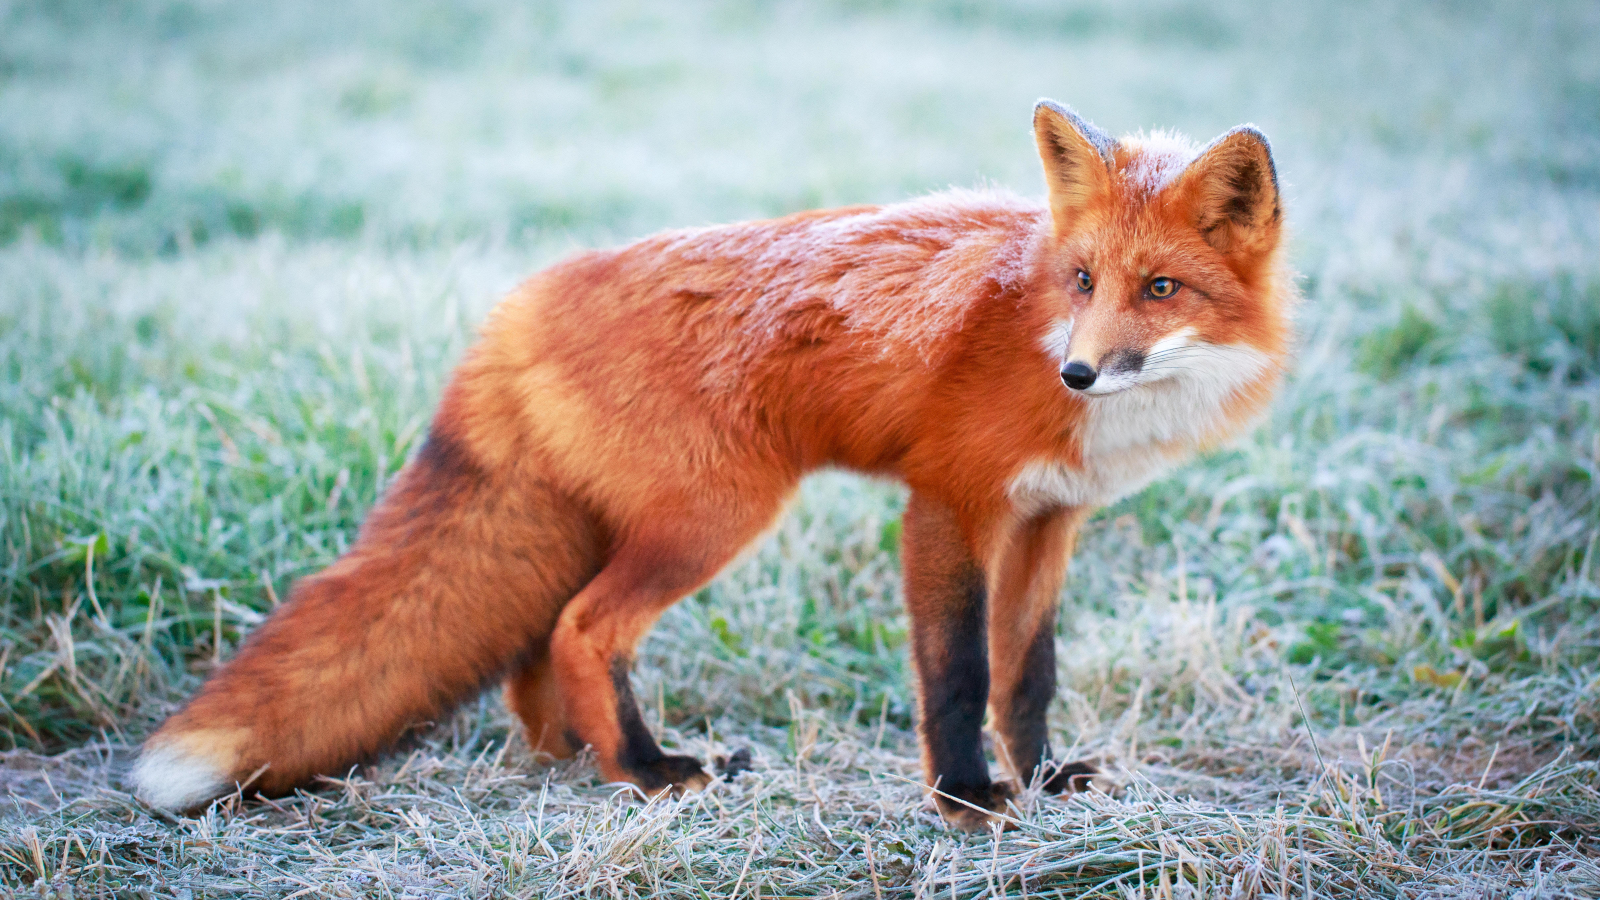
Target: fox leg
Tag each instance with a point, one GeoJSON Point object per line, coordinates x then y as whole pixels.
{"type": "Point", "coordinates": [457, 570]}
{"type": "Point", "coordinates": [946, 595]}
{"type": "Point", "coordinates": [1022, 649]}
{"type": "Point", "coordinates": [531, 692]}
{"type": "Point", "coordinates": [591, 651]}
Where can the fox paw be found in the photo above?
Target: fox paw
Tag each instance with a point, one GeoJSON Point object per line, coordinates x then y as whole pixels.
{"type": "Point", "coordinates": [1068, 778]}
{"type": "Point", "coordinates": [988, 798]}
{"type": "Point", "coordinates": [734, 764]}
{"type": "Point", "coordinates": [676, 774]}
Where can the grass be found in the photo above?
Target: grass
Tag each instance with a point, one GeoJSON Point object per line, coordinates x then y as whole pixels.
{"type": "Point", "coordinates": [1355, 654]}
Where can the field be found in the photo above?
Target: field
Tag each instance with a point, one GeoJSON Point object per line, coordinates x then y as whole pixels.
{"type": "Point", "coordinates": [1354, 654]}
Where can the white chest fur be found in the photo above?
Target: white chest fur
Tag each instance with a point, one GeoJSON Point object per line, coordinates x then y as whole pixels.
{"type": "Point", "coordinates": [1130, 437]}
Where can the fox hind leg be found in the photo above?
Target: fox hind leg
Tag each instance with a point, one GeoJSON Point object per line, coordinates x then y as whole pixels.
{"type": "Point", "coordinates": [532, 694]}
{"type": "Point", "coordinates": [591, 650]}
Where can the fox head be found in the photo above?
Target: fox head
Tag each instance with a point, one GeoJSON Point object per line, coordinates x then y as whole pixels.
{"type": "Point", "coordinates": [1162, 262]}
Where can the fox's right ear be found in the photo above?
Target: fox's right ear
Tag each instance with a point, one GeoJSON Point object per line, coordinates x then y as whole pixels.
{"type": "Point", "coordinates": [1077, 163]}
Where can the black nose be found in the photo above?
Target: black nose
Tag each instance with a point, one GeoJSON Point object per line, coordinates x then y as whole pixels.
{"type": "Point", "coordinates": [1078, 376]}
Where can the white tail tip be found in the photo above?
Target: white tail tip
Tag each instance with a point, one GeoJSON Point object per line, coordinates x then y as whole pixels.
{"type": "Point", "coordinates": [170, 777]}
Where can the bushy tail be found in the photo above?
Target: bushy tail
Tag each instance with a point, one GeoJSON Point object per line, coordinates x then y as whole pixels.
{"type": "Point", "coordinates": [457, 572]}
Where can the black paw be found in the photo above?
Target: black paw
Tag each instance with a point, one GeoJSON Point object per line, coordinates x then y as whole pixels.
{"type": "Point", "coordinates": [987, 798]}
{"type": "Point", "coordinates": [1068, 778]}
{"type": "Point", "coordinates": [734, 763]}
{"type": "Point", "coordinates": [678, 774]}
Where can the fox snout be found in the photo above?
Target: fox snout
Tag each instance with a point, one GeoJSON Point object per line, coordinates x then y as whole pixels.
{"type": "Point", "coordinates": [1116, 371]}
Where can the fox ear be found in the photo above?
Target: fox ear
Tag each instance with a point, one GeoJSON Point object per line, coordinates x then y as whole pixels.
{"type": "Point", "coordinates": [1077, 163]}
{"type": "Point", "coordinates": [1232, 192]}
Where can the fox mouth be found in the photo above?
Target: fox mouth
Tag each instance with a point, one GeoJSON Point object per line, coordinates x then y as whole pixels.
{"type": "Point", "coordinates": [1106, 386]}
{"type": "Point", "coordinates": [1114, 383]}
{"type": "Point", "coordinates": [1194, 370]}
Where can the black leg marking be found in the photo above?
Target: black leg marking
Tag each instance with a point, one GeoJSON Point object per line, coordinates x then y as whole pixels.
{"type": "Point", "coordinates": [1025, 731]}
{"type": "Point", "coordinates": [639, 748]}
{"type": "Point", "coordinates": [953, 658]}
{"type": "Point", "coordinates": [640, 754]}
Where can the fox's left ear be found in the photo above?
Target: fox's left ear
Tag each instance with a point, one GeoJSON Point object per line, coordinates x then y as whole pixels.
{"type": "Point", "coordinates": [1232, 193]}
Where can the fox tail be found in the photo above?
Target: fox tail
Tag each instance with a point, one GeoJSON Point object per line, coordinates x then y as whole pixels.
{"type": "Point", "coordinates": [457, 574]}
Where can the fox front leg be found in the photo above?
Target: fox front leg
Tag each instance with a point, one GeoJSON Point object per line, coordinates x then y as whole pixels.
{"type": "Point", "coordinates": [1022, 648]}
{"type": "Point", "coordinates": [946, 597]}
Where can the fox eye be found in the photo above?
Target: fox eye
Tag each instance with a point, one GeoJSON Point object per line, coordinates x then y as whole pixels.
{"type": "Point", "coordinates": [1085, 283]}
{"type": "Point", "coordinates": [1162, 288]}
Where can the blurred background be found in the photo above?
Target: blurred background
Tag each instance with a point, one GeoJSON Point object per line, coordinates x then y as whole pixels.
{"type": "Point", "coordinates": [154, 128]}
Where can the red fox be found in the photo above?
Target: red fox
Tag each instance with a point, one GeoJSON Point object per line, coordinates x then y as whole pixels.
{"type": "Point", "coordinates": [631, 419]}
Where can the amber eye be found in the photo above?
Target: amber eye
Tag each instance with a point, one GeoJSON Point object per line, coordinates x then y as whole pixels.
{"type": "Point", "coordinates": [1162, 288]}
{"type": "Point", "coordinates": [1085, 283]}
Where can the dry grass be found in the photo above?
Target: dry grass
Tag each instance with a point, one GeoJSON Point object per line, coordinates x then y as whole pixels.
{"type": "Point", "coordinates": [1357, 654]}
{"type": "Point", "coordinates": [832, 816]}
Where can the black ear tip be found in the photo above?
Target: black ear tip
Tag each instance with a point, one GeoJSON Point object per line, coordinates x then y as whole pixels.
{"type": "Point", "coordinates": [1045, 106]}
{"type": "Point", "coordinates": [1044, 103]}
{"type": "Point", "coordinates": [1102, 142]}
{"type": "Point", "coordinates": [1065, 112]}
{"type": "Point", "coordinates": [1255, 134]}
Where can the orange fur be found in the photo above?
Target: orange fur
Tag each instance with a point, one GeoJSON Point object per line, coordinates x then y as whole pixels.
{"type": "Point", "coordinates": [631, 419]}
